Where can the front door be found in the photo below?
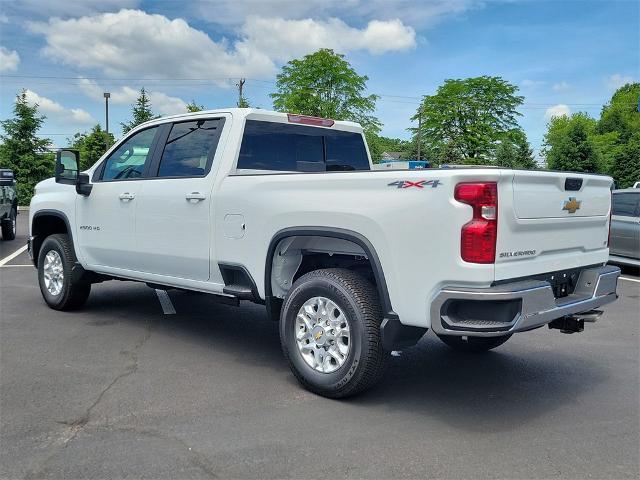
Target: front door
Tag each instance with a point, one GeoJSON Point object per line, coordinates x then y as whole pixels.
{"type": "Point", "coordinates": [106, 218]}
{"type": "Point", "coordinates": [173, 220]}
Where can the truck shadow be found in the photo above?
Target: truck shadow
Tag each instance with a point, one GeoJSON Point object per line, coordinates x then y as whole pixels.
{"type": "Point", "coordinates": [530, 376]}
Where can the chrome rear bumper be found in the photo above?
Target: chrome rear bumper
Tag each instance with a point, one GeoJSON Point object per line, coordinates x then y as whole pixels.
{"type": "Point", "coordinates": [518, 306]}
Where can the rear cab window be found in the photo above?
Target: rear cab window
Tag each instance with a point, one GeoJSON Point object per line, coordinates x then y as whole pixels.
{"type": "Point", "coordinates": [282, 147]}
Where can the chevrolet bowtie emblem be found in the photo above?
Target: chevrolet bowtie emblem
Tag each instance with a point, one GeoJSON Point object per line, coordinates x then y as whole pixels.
{"type": "Point", "coordinates": [571, 205]}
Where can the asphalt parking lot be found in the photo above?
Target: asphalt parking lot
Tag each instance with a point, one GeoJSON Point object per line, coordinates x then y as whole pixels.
{"type": "Point", "coordinates": [122, 390]}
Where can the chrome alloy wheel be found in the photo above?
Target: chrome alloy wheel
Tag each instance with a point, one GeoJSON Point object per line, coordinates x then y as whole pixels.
{"type": "Point", "coordinates": [53, 272]}
{"type": "Point", "coordinates": [322, 334]}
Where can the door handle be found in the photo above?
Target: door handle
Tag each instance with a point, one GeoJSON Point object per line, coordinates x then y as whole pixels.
{"type": "Point", "coordinates": [125, 197]}
{"type": "Point", "coordinates": [197, 196]}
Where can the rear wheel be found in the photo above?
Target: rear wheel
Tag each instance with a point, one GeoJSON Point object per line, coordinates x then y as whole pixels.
{"type": "Point", "coordinates": [330, 332]}
{"type": "Point", "coordinates": [55, 265]}
{"type": "Point", "coordinates": [10, 226]}
{"type": "Point", "coordinates": [473, 344]}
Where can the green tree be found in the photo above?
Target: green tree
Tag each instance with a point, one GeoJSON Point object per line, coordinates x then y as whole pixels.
{"type": "Point", "coordinates": [616, 135]}
{"type": "Point", "coordinates": [193, 107]}
{"type": "Point", "coordinates": [514, 152]}
{"type": "Point", "coordinates": [465, 119]}
{"type": "Point", "coordinates": [91, 145]}
{"type": "Point", "coordinates": [140, 112]}
{"type": "Point", "coordinates": [568, 145]}
{"type": "Point", "coordinates": [324, 84]}
{"type": "Point", "coordinates": [22, 150]}
{"type": "Point", "coordinates": [243, 102]}
{"type": "Point", "coordinates": [626, 163]}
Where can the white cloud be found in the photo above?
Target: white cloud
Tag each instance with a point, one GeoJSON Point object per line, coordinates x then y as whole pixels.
{"type": "Point", "coordinates": [561, 87]}
{"type": "Point", "coordinates": [4, 18]}
{"type": "Point", "coordinates": [527, 83]}
{"type": "Point", "coordinates": [616, 81]}
{"type": "Point", "coordinates": [558, 110]}
{"type": "Point", "coordinates": [160, 102]}
{"type": "Point", "coordinates": [52, 108]}
{"type": "Point", "coordinates": [74, 8]}
{"type": "Point", "coordinates": [9, 60]}
{"type": "Point", "coordinates": [234, 12]}
{"type": "Point", "coordinates": [282, 39]}
{"type": "Point", "coordinates": [131, 42]}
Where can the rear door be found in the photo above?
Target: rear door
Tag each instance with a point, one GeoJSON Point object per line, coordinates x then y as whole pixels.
{"type": "Point", "coordinates": [625, 225]}
{"type": "Point", "coordinates": [551, 221]}
{"type": "Point", "coordinates": [173, 220]}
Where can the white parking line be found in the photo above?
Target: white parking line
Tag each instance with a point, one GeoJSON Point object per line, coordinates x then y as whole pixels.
{"type": "Point", "coordinates": [630, 279]}
{"type": "Point", "coordinates": [165, 302]}
{"type": "Point", "coordinates": [8, 258]}
{"type": "Point", "coordinates": [13, 266]}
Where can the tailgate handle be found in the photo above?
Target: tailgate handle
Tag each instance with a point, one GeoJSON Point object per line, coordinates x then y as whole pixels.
{"type": "Point", "coordinates": [573, 184]}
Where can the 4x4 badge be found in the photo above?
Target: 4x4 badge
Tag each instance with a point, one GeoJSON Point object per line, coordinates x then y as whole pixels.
{"type": "Point", "coordinates": [572, 205]}
{"type": "Point", "coordinates": [418, 184]}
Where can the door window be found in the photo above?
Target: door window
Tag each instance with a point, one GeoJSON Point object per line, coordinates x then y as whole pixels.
{"type": "Point", "coordinates": [190, 148]}
{"type": "Point", "coordinates": [626, 204]}
{"type": "Point", "coordinates": [130, 159]}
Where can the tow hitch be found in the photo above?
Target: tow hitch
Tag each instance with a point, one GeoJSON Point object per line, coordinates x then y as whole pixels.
{"type": "Point", "coordinates": [575, 323]}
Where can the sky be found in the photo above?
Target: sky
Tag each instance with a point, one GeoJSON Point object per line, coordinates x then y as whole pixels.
{"type": "Point", "coordinates": [564, 56]}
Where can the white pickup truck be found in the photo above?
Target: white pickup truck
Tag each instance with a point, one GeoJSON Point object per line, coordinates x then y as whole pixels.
{"type": "Point", "coordinates": [284, 210]}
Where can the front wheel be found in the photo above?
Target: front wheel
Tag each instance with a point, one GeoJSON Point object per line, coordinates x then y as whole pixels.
{"type": "Point", "coordinates": [330, 332]}
{"type": "Point", "coordinates": [55, 265]}
{"type": "Point", "coordinates": [10, 226]}
{"type": "Point", "coordinates": [473, 344]}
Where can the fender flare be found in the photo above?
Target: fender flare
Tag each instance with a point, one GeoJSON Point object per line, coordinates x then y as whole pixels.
{"type": "Point", "coordinates": [342, 234]}
{"type": "Point", "coordinates": [52, 213]}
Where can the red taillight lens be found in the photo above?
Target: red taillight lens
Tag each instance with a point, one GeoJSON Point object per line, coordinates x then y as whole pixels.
{"type": "Point", "coordinates": [478, 237]}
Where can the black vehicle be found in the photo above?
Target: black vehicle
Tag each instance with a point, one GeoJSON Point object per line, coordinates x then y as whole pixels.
{"type": "Point", "coordinates": [8, 205]}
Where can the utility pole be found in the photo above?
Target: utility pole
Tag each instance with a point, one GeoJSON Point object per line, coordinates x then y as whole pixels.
{"type": "Point", "coordinates": [106, 111]}
{"type": "Point", "coordinates": [419, 130]}
{"type": "Point", "coordinates": [240, 85]}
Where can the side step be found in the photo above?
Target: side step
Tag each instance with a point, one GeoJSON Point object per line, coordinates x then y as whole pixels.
{"type": "Point", "coordinates": [239, 291]}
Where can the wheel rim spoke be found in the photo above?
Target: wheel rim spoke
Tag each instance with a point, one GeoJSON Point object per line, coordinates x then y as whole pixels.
{"type": "Point", "coordinates": [322, 334]}
{"type": "Point", "coordinates": [53, 272]}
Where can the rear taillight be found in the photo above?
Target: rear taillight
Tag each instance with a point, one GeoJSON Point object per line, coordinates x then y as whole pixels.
{"type": "Point", "coordinates": [478, 237]}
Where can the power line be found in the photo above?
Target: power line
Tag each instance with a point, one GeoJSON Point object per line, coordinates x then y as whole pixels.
{"type": "Point", "coordinates": [205, 82]}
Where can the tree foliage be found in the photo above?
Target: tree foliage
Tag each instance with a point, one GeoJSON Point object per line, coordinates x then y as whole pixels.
{"type": "Point", "coordinates": [140, 112]}
{"type": "Point", "coordinates": [193, 107]}
{"type": "Point", "coordinates": [569, 146]}
{"type": "Point", "coordinates": [22, 150]}
{"type": "Point", "coordinates": [324, 84]}
{"type": "Point", "coordinates": [243, 102]}
{"type": "Point", "coordinates": [612, 140]}
{"type": "Point", "coordinates": [515, 152]}
{"type": "Point", "coordinates": [466, 119]}
{"type": "Point", "coordinates": [91, 145]}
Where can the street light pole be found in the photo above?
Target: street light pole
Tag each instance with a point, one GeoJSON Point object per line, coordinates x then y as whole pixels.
{"type": "Point", "coordinates": [106, 110]}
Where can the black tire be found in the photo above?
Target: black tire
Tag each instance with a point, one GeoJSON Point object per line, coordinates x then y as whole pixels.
{"type": "Point", "coordinates": [358, 299]}
{"type": "Point", "coordinates": [473, 344]}
{"type": "Point", "coordinates": [74, 293]}
{"type": "Point", "coordinates": [10, 226]}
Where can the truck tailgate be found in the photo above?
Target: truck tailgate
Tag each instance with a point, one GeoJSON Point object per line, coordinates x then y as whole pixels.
{"type": "Point", "coordinates": [551, 221]}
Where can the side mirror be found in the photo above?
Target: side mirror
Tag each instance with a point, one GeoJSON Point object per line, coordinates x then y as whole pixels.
{"type": "Point", "coordinates": [67, 166]}
{"type": "Point", "coordinates": [6, 178]}
{"type": "Point", "coordinates": [83, 185]}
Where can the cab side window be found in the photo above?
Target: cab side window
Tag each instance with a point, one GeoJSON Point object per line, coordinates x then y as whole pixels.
{"type": "Point", "coordinates": [130, 159]}
{"type": "Point", "coordinates": [190, 148]}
